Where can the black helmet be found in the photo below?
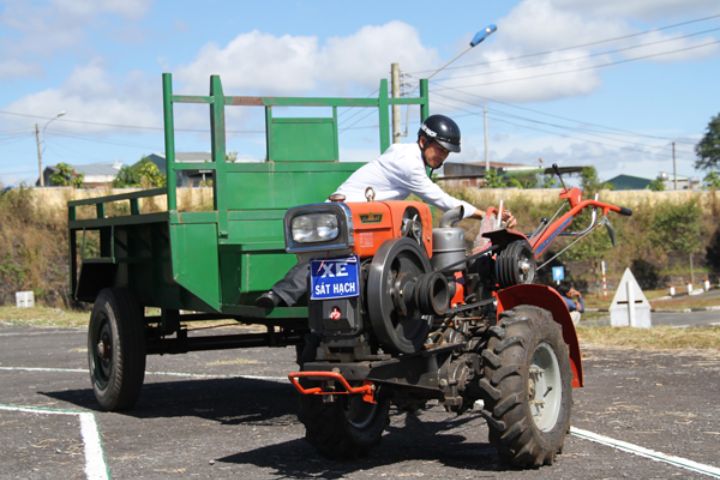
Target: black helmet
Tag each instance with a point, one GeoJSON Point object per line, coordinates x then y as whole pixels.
{"type": "Point", "coordinates": [443, 130]}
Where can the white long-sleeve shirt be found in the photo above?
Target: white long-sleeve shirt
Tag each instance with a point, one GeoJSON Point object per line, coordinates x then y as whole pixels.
{"type": "Point", "coordinates": [396, 174]}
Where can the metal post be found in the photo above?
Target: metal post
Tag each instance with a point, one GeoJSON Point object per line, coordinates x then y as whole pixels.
{"type": "Point", "coordinates": [692, 270]}
{"type": "Point", "coordinates": [485, 132]}
{"type": "Point", "coordinates": [603, 270]}
{"type": "Point", "coordinates": [674, 168]}
{"type": "Point", "coordinates": [395, 92]}
{"type": "Point", "coordinates": [630, 302]}
{"type": "Point", "coordinates": [41, 180]}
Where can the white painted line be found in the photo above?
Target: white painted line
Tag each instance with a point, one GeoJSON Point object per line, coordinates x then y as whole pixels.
{"type": "Point", "coordinates": [95, 466]}
{"type": "Point", "coordinates": [167, 374]}
{"type": "Point", "coordinates": [647, 453]}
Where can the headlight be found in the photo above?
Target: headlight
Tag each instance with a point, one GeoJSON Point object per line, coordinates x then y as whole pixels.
{"type": "Point", "coordinates": [315, 227]}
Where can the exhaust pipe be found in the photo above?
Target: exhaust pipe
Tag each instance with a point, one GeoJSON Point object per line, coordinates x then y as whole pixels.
{"type": "Point", "coordinates": [452, 216]}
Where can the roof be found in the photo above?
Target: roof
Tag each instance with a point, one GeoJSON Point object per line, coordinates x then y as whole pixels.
{"type": "Point", "coordinates": [96, 169]}
{"type": "Point", "coordinates": [93, 169]}
{"type": "Point", "coordinates": [629, 182]}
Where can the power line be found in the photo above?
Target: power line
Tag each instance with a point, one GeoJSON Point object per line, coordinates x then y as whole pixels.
{"type": "Point", "coordinates": [609, 130]}
{"type": "Point", "coordinates": [584, 57]}
{"type": "Point", "coordinates": [583, 45]}
{"type": "Point", "coordinates": [502, 120]}
{"type": "Point", "coordinates": [591, 67]}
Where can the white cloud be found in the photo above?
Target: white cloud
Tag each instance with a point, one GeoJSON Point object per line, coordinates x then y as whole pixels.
{"type": "Point", "coordinates": [529, 59]}
{"type": "Point", "coordinates": [656, 45]}
{"type": "Point", "coordinates": [258, 61]}
{"type": "Point", "coordinates": [90, 95]}
{"type": "Point", "coordinates": [60, 25]}
{"type": "Point", "coordinates": [86, 8]}
{"type": "Point", "coordinates": [13, 68]}
{"type": "Point", "coordinates": [646, 9]}
{"type": "Point", "coordinates": [255, 60]}
{"type": "Point", "coordinates": [365, 56]}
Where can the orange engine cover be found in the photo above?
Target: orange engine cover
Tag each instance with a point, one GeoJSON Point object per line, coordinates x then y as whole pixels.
{"type": "Point", "coordinates": [376, 222]}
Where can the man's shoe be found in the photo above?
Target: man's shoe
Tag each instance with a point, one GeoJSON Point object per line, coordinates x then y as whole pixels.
{"type": "Point", "coordinates": [268, 301]}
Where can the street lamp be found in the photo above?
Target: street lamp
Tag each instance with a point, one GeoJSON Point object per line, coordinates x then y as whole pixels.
{"type": "Point", "coordinates": [477, 39]}
{"type": "Point", "coordinates": [41, 179]}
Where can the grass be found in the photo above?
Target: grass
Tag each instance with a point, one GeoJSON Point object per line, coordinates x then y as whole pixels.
{"type": "Point", "coordinates": [659, 300]}
{"type": "Point", "coordinates": [43, 317]}
{"type": "Point", "coordinates": [656, 338]}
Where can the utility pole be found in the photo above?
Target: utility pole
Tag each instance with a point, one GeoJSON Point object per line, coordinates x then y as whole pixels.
{"type": "Point", "coordinates": [39, 156]}
{"type": "Point", "coordinates": [395, 92]}
{"type": "Point", "coordinates": [38, 143]}
{"type": "Point", "coordinates": [485, 132]}
{"type": "Point", "coordinates": [674, 168]}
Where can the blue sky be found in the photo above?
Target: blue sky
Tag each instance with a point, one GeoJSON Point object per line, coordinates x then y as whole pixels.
{"type": "Point", "coordinates": [575, 82]}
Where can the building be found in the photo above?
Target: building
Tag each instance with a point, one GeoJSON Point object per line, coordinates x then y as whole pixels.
{"type": "Point", "coordinates": [94, 174]}
{"type": "Point", "coordinates": [628, 182]}
{"type": "Point", "coordinates": [459, 175]}
{"type": "Point", "coordinates": [631, 182]}
{"type": "Point", "coordinates": [186, 178]}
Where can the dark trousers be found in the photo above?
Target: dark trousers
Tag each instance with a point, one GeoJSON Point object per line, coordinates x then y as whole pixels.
{"type": "Point", "coordinates": [294, 284]}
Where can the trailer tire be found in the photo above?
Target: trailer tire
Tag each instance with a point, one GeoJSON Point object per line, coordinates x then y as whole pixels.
{"type": "Point", "coordinates": [346, 428]}
{"type": "Point", "coordinates": [116, 349]}
{"type": "Point", "coordinates": [526, 387]}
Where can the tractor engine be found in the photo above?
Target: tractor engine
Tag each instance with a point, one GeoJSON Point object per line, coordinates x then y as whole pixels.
{"type": "Point", "coordinates": [379, 275]}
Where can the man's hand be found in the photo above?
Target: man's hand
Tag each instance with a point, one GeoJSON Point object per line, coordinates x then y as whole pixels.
{"type": "Point", "coordinates": [508, 218]}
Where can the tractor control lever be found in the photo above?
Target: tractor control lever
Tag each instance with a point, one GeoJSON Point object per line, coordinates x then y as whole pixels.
{"type": "Point", "coordinates": [556, 169]}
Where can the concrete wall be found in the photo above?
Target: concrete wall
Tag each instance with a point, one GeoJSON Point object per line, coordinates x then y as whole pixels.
{"type": "Point", "coordinates": [194, 198]}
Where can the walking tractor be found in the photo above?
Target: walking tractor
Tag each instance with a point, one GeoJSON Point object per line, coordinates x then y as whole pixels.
{"type": "Point", "coordinates": [399, 314]}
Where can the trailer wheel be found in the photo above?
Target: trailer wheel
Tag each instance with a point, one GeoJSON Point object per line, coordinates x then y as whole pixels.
{"type": "Point", "coordinates": [346, 428]}
{"type": "Point", "coordinates": [526, 385]}
{"type": "Point", "coordinates": [116, 349]}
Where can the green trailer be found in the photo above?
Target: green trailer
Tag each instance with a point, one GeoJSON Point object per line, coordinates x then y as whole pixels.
{"type": "Point", "coordinates": [149, 273]}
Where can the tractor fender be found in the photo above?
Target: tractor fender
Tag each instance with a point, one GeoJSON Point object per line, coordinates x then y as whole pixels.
{"type": "Point", "coordinates": [548, 298]}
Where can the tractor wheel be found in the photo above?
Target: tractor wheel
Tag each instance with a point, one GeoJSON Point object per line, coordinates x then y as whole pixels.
{"type": "Point", "coordinates": [515, 265]}
{"type": "Point", "coordinates": [526, 385]}
{"type": "Point", "coordinates": [116, 349]}
{"type": "Point", "coordinates": [346, 428]}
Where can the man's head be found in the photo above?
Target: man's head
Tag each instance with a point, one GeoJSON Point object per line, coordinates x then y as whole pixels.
{"type": "Point", "coordinates": [438, 136]}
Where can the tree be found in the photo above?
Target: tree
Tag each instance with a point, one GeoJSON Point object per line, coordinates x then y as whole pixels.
{"type": "Point", "coordinates": [589, 181]}
{"type": "Point", "coordinates": [708, 150]}
{"type": "Point", "coordinates": [143, 174]}
{"type": "Point", "coordinates": [126, 177]}
{"type": "Point", "coordinates": [493, 179]}
{"type": "Point", "coordinates": [677, 229]}
{"type": "Point", "coordinates": [712, 180]}
{"type": "Point", "coordinates": [657, 185]}
{"type": "Point", "coordinates": [66, 176]}
{"type": "Point", "coordinates": [712, 255]}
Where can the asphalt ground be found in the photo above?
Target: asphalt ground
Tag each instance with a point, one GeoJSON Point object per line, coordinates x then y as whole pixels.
{"type": "Point", "coordinates": [229, 414]}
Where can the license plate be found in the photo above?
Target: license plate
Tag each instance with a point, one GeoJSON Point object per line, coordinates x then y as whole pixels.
{"type": "Point", "coordinates": [334, 278]}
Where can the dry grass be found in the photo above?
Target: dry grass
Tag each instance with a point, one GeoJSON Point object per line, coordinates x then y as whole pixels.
{"type": "Point", "coordinates": [43, 317]}
{"type": "Point", "coordinates": [656, 338]}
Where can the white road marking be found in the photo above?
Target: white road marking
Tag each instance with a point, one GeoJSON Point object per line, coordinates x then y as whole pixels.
{"type": "Point", "coordinates": [167, 374]}
{"type": "Point", "coordinates": [647, 453]}
{"type": "Point", "coordinates": [95, 466]}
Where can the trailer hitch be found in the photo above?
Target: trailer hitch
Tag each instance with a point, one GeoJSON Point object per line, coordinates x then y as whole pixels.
{"type": "Point", "coordinates": [329, 380]}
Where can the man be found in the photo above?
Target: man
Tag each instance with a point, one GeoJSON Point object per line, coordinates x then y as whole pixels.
{"type": "Point", "coordinates": [394, 175]}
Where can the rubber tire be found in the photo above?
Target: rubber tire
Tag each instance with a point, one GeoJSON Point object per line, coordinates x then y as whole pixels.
{"type": "Point", "coordinates": [506, 362]}
{"type": "Point", "coordinates": [506, 266]}
{"type": "Point", "coordinates": [328, 429]}
{"type": "Point", "coordinates": [117, 381]}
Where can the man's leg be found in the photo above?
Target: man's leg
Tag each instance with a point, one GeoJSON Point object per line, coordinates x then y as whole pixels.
{"type": "Point", "coordinates": [288, 290]}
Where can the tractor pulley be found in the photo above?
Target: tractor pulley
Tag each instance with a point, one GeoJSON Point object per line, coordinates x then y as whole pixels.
{"type": "Point", "coordinates": [401, 290]}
